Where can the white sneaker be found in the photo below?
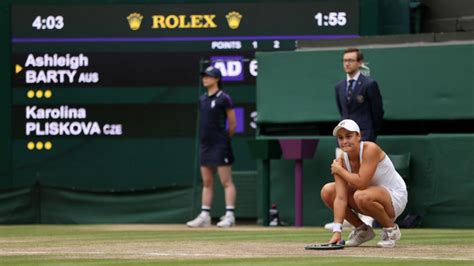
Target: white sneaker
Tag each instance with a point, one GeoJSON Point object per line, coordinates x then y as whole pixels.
{"type": "Point", "coordinates": [200, 221]}
{"type": "Point", "coordinates": [273, 222]}
{"type": "Point", "coordinates": [226, 221]}
{"type": "Point", "coordinates": [390, 237]}
{"type": "Point", "coordinates": [359, 236]}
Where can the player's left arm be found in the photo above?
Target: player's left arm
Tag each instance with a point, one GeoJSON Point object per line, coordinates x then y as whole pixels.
{"type": "Point", "coordinates": [370, 159]}
{"type": "Point", "coordinates": [232, 121]}
{"type": "Point", "coordinates": [360, 180]}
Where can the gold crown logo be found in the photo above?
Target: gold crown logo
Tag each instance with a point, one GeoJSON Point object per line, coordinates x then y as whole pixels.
{"type": "Point", "coordinates": [134, 20]}
{"type": "Point", "coordinates": [233, 19]}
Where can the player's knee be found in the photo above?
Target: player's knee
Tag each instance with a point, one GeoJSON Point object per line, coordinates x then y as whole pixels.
{"type": "Point", "coordinates": [328, 193]}
{"type": "Point", "coordinates": [227, 183]}
{"type": "Point", "coordinates": [362, 197]}
{"type": "Point", "coordinates": [207, 183]}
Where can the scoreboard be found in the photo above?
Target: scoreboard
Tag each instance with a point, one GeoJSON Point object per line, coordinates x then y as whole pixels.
{"type": "Point", "coordinates": [104, 96]}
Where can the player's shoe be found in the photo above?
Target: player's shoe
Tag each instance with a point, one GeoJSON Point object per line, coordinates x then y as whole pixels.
{"type": "Point", "coordinates": [390, 237]}
{"type": "Point", "coordinates": [200, 221]}
{"type": "Point", "coordinates": [226, 221]}
{"type": "Point", "coordinates": [360, 236]}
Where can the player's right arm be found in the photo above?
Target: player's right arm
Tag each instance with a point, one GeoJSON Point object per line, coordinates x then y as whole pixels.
{"type": "Point", "coordinates": [340, 202]}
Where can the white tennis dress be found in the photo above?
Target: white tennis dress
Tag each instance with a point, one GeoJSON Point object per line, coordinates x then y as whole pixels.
{"type": "Point", "coordinates": [386, 176]}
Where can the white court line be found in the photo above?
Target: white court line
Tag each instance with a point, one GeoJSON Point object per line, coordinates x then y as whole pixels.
{"type": "Point", "coordinates": [46, 253]}
{"type": "Point", "coordinates": [187, 254]}
{"type": "Point", "coordinates": [216, 255]}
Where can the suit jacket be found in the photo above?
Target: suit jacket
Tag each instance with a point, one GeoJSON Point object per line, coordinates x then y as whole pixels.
{"type": "Point", "coordinates": [365, 106]}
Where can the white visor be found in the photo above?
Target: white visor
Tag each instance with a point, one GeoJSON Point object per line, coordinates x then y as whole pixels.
{"type": "Point", "coordinates": [347, 124]}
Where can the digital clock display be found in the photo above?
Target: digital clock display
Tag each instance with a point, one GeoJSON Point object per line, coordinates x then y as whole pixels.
{"type": "Point", "coordinates": [48, 23]}
{"type": "Point", "coordinates": [332, 19]}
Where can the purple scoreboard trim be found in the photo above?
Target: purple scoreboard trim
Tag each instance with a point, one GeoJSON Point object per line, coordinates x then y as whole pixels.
{"type": "Point", "coordinates": [177, 39]}
{"type": "Point", "coordinates": [231, 67]}
{"type": "Point", "coordinates": [239, 117]}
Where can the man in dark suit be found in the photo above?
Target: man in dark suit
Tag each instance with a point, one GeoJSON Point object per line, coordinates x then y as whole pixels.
{"type": "Point", "coordinates": [358, 96]}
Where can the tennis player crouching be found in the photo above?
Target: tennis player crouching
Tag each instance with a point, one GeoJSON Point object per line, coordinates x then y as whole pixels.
{"type": "Point", "coordinates": [365, 181]}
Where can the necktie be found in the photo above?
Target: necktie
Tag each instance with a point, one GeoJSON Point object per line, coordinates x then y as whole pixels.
{"type": "Point", "coordinates": [349, 90]}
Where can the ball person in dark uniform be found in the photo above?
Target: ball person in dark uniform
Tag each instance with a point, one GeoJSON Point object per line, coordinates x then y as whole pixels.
{"type": "Point", "coordinates": [217, 124]}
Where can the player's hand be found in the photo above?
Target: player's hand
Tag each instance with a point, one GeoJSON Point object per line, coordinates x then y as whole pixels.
{"type": "Point", "coordinates": [336, 166]}
{"type": "Point", "coordinates": [336, 237]}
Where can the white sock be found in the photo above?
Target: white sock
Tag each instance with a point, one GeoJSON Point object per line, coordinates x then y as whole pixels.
{"type": "Point", "coordinates": [205, 211]}
{"type": "Point", "coordinates": [229, 211]}
{"type": "Point", "coordinates": [390, 228]}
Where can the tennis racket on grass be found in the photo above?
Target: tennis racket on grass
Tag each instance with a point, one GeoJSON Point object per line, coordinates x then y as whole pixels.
{"type": "Point", "coordinates": [327, 246]}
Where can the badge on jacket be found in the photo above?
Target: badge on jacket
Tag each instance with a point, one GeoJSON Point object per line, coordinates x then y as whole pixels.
{"type": "Point", "coordinates": [360, 98]}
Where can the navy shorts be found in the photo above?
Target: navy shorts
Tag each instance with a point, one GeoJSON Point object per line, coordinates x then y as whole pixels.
{"type": "Point", "coordinates": [216, 155]}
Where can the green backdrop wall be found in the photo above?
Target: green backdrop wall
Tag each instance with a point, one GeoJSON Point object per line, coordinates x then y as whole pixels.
{"type": "Point", "coordinates": [416, 81]}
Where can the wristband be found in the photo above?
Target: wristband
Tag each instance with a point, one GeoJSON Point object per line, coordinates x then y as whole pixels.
{"type": "Point", "coordinates": [337, 227]}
